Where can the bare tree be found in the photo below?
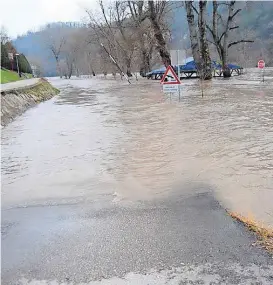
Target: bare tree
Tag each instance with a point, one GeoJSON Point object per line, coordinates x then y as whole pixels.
{"type": "Point", "coordinates": [75, 50]}
{"type": "Point", "coordinates": [156, 10]}
{"type": "Point", "coordinates": [145, 38]}
{"type": "Point", "coordinates": [63, 69]}
{"type": "Point", "coordinates": [54, 39]}
{"type": "Point", "coordinates": [4, 35]}
{"type": "Point", "coordinates": [221, 29]}
{"type": "Point", "coordinates": [270, 52]}
{"type": "Point", "coordinates": [194, 38]}
{"type": "Point", "coordinates": [129, 31]}
{"type": "Point", "coordinates": [70, 47]}
{"type": "Point", "coordinates": [90, 57]}
{"type": "Point", "coordinates": [112, 28]}
{"type": "Point", "coordinates": [198, 37]}
{"type": "Point", "coordinates": [82, 51]}
{"type": "Point", "coordinates": [204, 47]}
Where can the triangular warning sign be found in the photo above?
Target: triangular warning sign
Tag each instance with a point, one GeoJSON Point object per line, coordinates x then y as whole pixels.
{"type": "Point", "coordinates": [170, 77]}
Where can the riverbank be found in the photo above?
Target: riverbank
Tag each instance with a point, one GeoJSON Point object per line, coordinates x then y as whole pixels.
{"type": "Point", "coordinates": [15, 101]}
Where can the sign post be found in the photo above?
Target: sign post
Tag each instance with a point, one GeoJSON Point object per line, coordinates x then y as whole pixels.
{"type": "Point", "coordinates": [170, 81]}
{"type": "Point", "coordinates": [178, 71]}
{"type": "Point", "coordinates": [178, 58]}
{"type": "Point", "coordinates": [261, 65]}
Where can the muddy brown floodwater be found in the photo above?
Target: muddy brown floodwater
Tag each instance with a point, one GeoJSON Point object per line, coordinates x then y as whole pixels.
{"type": "Point", "coordinates": [103, 140]}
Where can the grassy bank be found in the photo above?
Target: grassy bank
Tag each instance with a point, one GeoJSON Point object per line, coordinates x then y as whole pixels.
{"type": "Point", "coordinates": [265, 235]}
{"type": "Point", "coordinates": [10, 76]}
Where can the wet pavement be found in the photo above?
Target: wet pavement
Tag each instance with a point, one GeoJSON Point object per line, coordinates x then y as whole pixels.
{"type": "Point", "coordinates": [109, 183]}
{"type": "Point", "coordinates": [19, 84]}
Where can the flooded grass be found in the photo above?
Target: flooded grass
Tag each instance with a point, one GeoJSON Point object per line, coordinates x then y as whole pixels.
{"type": "Point", "coordinates": [264, 234]}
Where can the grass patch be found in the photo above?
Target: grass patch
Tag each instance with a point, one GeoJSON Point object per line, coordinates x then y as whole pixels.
{"type": "Point", "coordinates": [8, 76]}
{"type": "Point", "coordinates": [11, 76]}
{"type": "Point", "coordinates": [264, 234]}
{"type": "Point", "coordinates": [27, 75]}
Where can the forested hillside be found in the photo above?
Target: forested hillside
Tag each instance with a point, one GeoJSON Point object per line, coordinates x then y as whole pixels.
{"type": "Point", "coordinates": [33, 45]}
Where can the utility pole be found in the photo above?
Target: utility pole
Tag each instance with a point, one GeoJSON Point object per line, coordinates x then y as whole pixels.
{"type": "Point", "coordinates": [16, 55]}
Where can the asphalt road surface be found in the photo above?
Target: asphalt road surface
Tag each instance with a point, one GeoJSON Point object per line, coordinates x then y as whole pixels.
{"type": "Point", "coordinates": [182, 240]}
{"type": "Point", "coordinates": [19, 84]}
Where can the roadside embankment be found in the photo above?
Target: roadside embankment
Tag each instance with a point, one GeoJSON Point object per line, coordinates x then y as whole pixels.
{"type": "Point", "coordinates": [16, 101]}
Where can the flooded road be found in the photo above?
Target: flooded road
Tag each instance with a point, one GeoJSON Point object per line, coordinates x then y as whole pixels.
{"type": "Point", "coordinates": [110, 183]}
{"type": "Point", "coordinates": [106, 141]}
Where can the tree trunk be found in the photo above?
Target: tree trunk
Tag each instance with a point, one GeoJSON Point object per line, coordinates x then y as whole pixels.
{"type": "Point", "coordinates": [206, 72]}
{"type": "Point", "coordinates": [137, 11]}
{"type": "Point", "coordinates": [145, 66]}
{"type": "Point", "coordinates": [193, 35]}
{"type": "Point", "coordinates": [142, 69]}
{"type": "Point", "coordinates": [128, 67]}
{"type": "Point", "coordinates": [70, 70]}
{"type": "Point", "coordinates": [148, 63]}
{"type": "Point", "coordinates": [226, 70]}
{"type": "Point", "coordinates": [92, 70]}
{"type": "Point", "coordinates": [224, 58]}
{"type": "Point", "coordinates": [58, 69]}
{"type": "Point", "coordinates": [161, 43]}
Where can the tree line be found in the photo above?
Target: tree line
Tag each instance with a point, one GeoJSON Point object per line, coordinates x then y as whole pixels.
{"type": "Point", "coordinates": [134, 35]}
{"type": "Point", "coordinates": [120, 36]}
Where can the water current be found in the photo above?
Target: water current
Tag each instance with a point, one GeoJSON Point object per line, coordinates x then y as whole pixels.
{"type": "Point", "coordinates": [103, 140]}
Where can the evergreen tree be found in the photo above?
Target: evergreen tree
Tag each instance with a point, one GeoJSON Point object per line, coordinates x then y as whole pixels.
{"type": "Point", "coordinates": [4, 57]}
{"type": "Point", "coordinates": [24, 65]}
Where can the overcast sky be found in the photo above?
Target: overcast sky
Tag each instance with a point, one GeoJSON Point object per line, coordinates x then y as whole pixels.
{"type": "Point", "coordinates": [19, 16]}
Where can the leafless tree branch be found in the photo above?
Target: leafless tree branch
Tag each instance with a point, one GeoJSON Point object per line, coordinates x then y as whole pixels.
{"type": "Point", "coordinates": [240, 41]}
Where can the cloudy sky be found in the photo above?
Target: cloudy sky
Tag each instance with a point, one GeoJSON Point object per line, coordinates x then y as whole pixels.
{"type": "Point", "coordinates": [19, 16]}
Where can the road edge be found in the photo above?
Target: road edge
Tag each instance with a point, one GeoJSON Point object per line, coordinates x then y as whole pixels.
{"type": "Point", "coordinates": [16, 101]}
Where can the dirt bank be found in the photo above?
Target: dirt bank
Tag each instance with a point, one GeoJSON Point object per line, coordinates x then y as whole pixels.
{"type": "Point", "coordinates": [17, 101]}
